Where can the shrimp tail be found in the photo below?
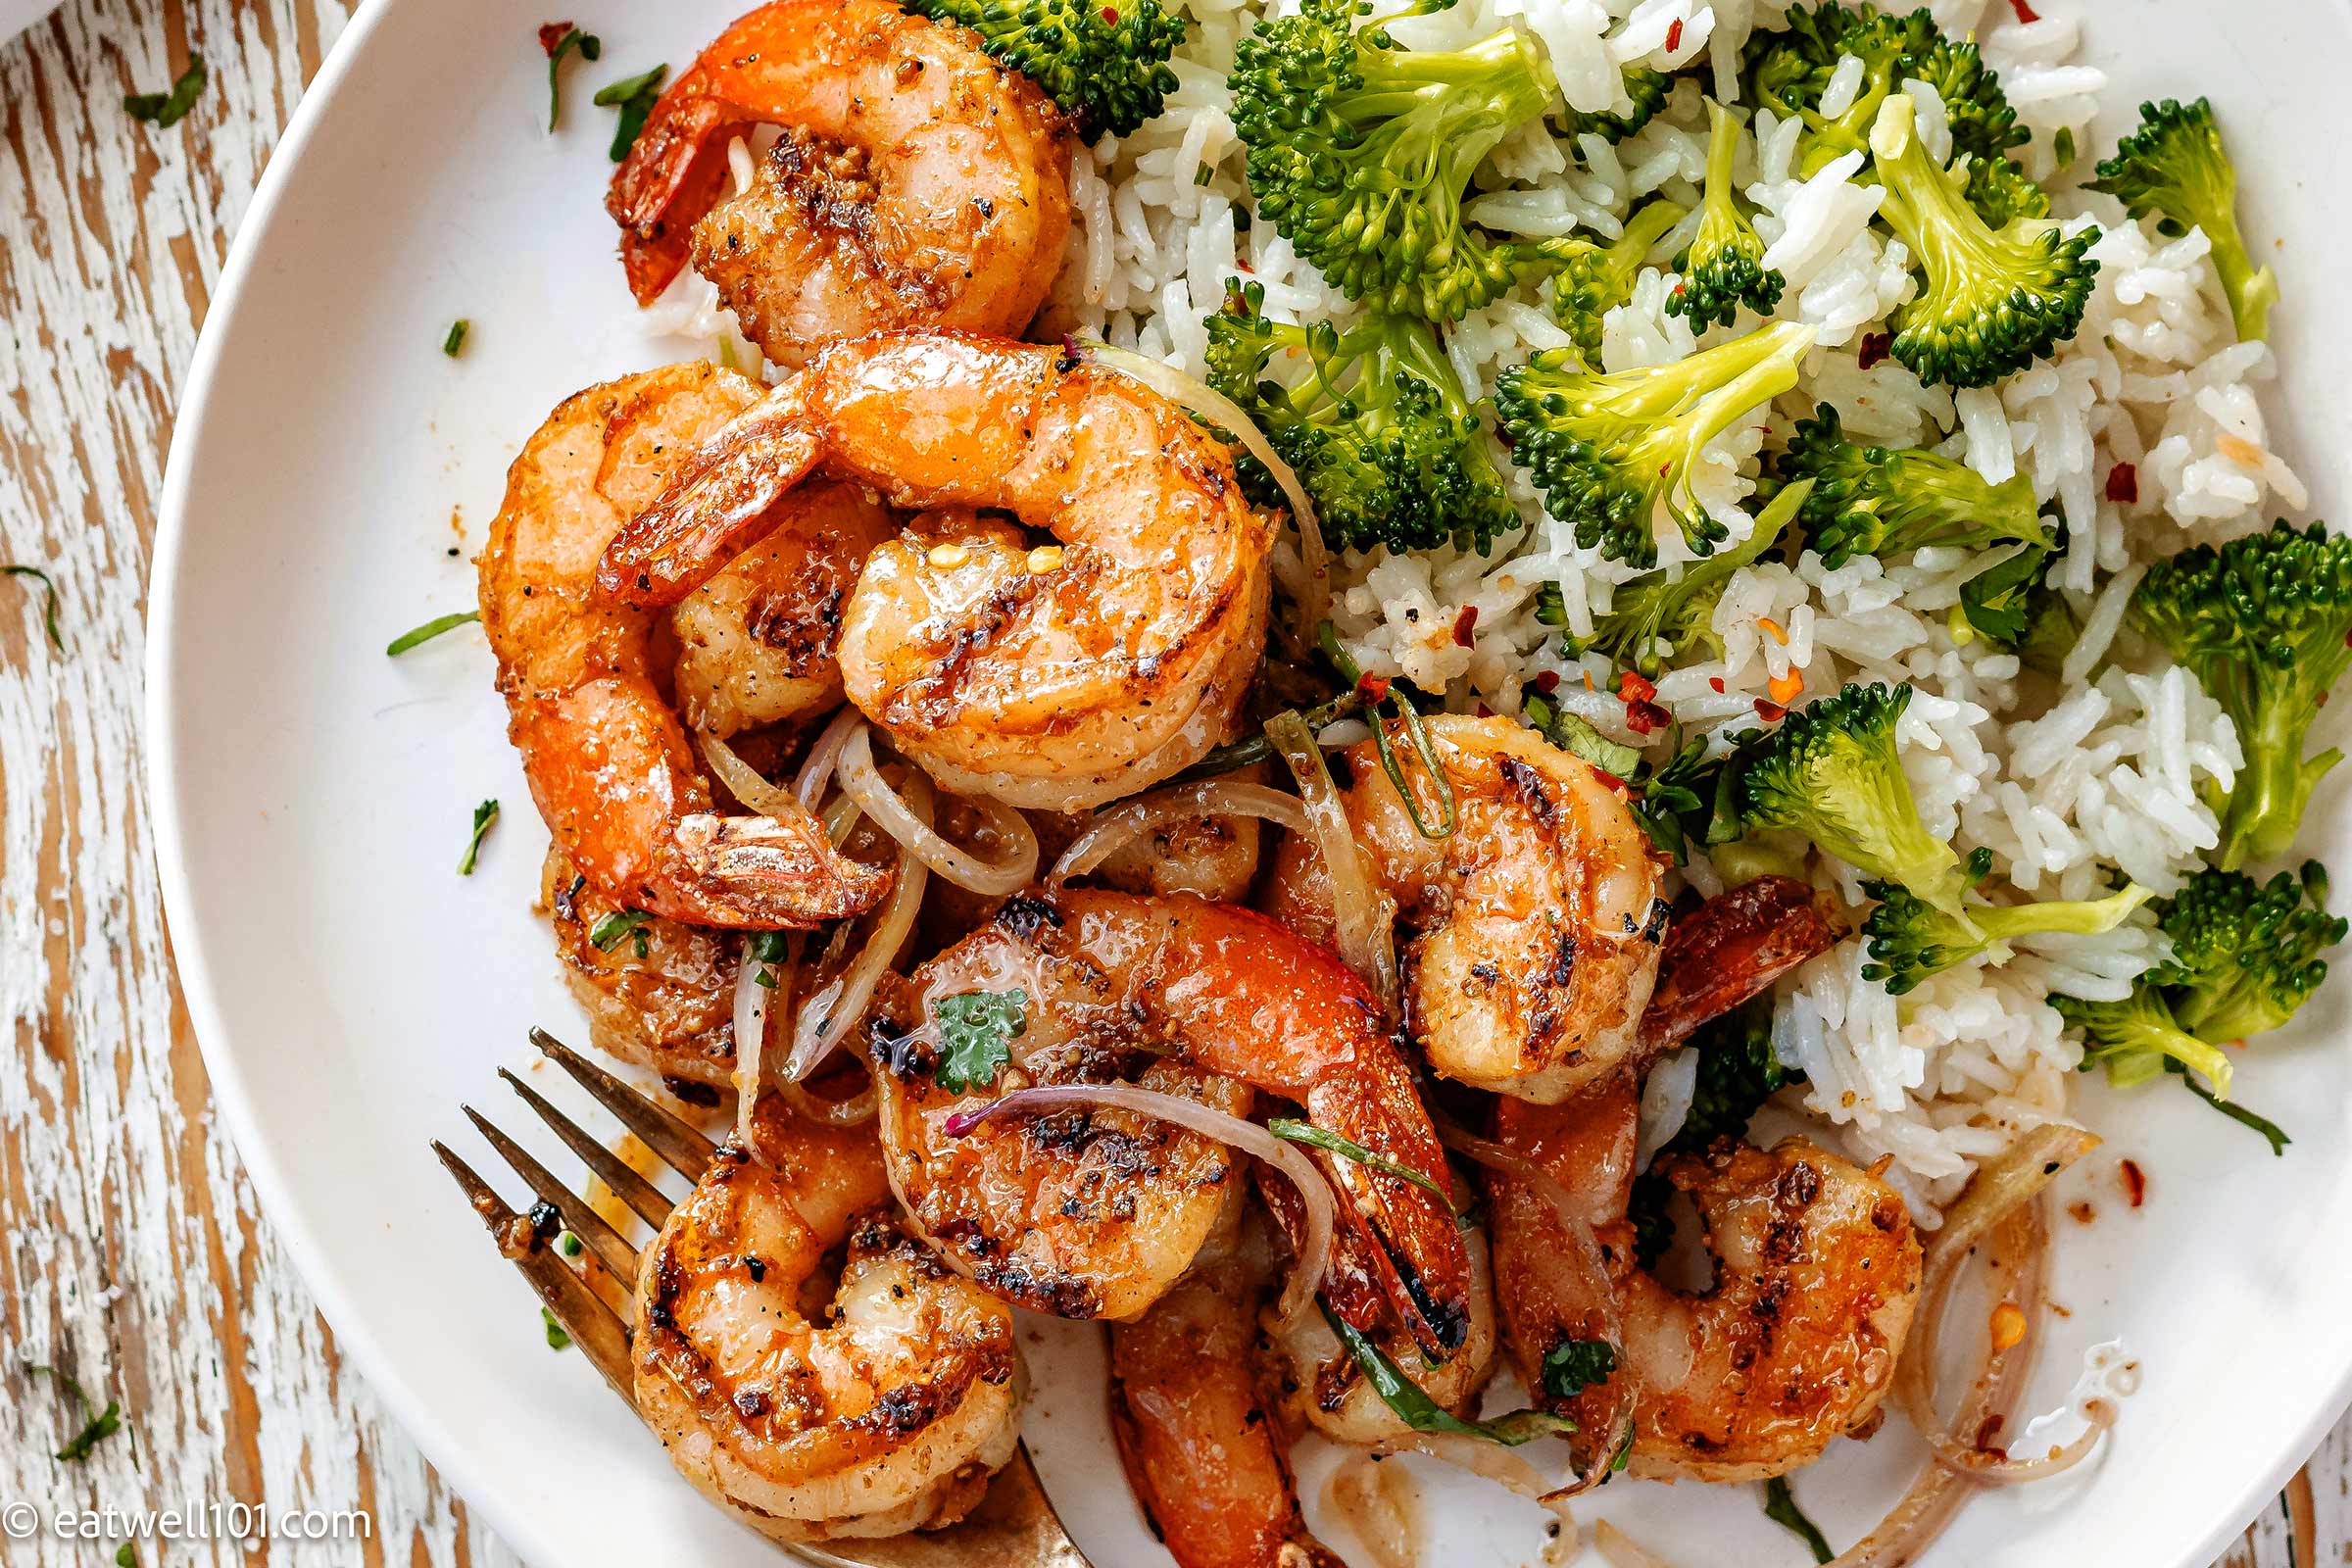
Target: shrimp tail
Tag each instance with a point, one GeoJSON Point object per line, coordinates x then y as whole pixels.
{"type": "Point", "coordinates": [1729, 949]}
{"type": "Point", "coordinates": [760, 873]}
{"type": "Point", "coordinates": [732, 492]}
{"type": "Point", "coordinates": [671, 176]}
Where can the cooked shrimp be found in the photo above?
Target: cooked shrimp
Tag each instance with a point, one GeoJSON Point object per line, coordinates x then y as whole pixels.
{"type": "Point", "coordinates": [918, 183]}
{"type": "Point", "coordinates": [1095, 1214]}
{"type": "Point", "coordinates": [1058, 676]}
{"type": "Point", "coordinates": [758, 643]}
{"type": "Point", "coordinates": [608, 762]}
{"type": "Point", "coordinates": [889, 1417]}
{"type": "Point", "coordinates": [670, 1008]}
{"type": "Point", "coordinates": [1538, 918]}
{"type": "Point", "coordinates": [1207, 1457]}
{"type": "Point", "coordinates": [1817, 1270]}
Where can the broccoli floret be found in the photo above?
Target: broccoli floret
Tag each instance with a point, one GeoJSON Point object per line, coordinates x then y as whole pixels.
{"type": "Point", "coordinates": [1737, 1073]}
{"type": "Point", "coordinates": [1105, 63]}
{"type": "Point", "coordinates": [2173, 165]}
{"type": "Point", "coordinates": [1724, 267]}
{"type": "Point", "coordinates": [1653, 618]}
{"type": "Point", "coordinates": [1790, 71]}
{"type": "Point", "coordinates": [2246, 954]}
{"type": "Point", "coordinates": [1607, 451]}
{"type": "Point", "coordinates": [1994, 300]}
{"type": "Point", "coordinates": [1377, 429]}
{"type": "Point", "coordinates": [1645, 87]}
{"type": "Point", "coordinates": [2262, 621]}
{"type": "Point", "coordinates": [2002, 193]}
{"type": "Point", "coordinates": [1359, 150]}
{"type": "Point", "coordinates": [1911, 940]}
{"type": "Point", "coordinates": [1831, 773]}
{"type": "Point", "coordinates": [1588, 281]}
{"type": "Point", "coordinates": [1879, 501]}
{"type": "Point", "coordinates": [2133, 1038]}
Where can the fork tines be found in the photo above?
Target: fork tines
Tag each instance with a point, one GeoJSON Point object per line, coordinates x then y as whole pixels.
{"type": "Point", "coordinates": [600, 1331]}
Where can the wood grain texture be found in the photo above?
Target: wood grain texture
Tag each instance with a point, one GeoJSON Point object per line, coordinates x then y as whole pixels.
{"type": "Point", "coordinates": [132, 1255]}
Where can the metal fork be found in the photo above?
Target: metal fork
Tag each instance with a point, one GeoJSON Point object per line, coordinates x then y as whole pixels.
{"type": "Point", "coordinates": [1015, 1525]}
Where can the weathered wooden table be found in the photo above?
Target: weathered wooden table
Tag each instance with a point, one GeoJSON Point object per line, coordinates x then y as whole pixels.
{"type": "Point", "coordinates": [132, 1255]}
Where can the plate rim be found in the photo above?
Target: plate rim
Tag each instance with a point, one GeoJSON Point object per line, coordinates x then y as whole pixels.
{"type": "Point", "coordinates": [517, 1526]}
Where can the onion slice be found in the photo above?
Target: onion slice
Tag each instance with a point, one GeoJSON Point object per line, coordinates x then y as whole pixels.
{"type": "Point", "coordinates": [746, 782]}
{"type": "Point", "coordinates": [843, 999]}
{"type": "Point", "coordinates": [1364, 915]}
{"type": "Point", "coordinates": [1315, 1250]}
{"type": "Point", "coordinates": [863, 783]}
{"type": "Point", "coordinates": [1114, 830]}
{"type": "Point", "coordinates": [816, 768]}
{"type": "Point", "coordinates": [757, 1053]}
{"type": "Point", "coordinates": [1203, 399]}
{"type": "Point", "coordinates": [1621, 1550]}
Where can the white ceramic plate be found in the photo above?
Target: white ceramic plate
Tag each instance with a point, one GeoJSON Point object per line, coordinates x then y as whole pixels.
{"type": "Point", "coordinates": [330, 470]}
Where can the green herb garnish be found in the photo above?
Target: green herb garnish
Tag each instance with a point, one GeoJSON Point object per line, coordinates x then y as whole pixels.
{"type": "Point", "coordinates": [559, 38]}
{"type": "Point", "coordinates": [48, 603]}
{"type": "Point", "coordinates": [976, 1031]}
{"type": "Point", "coordinates": [2231, 1108]}
{"type": "Point", "coordinates": [1574, 1365]}
{"type": "Point", "coordinates": [452, 344]}
{"type": "Point", "coordinates": [607, 933]}
{"type": "Point", "coordinates": [96, 1428]}
{"type": "Point", "coordinates": [1779, 1507]}
{"type": "Point", "coordinates": [569, 1244]}
{"type": "Point", "coordinates": [1306, 1131]}
{"type": "Point", "coordinates": [1575, 736]}
{"type": "Point", "coordinates": [1416, 1409]}
{"type": "Point", "coordinates": [556, 1339]}
{"type": "Point", "coordinates": [163, 110]}
{"type": "Point", "coordinates": [431, 630]}
{"type": "Point", "coordinates": [125, 1557]}
{"type": "Point", "coordinates": [635, 97]}
{"type": "Point", "coordinates": [483, 816]}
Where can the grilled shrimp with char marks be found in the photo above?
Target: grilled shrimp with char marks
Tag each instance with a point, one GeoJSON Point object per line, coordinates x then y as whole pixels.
{"type": "Point", "coordinates": [888, 1416]}
{"type": "Point", "coordinates": [606, 759]}
{"type": "Point", "coordinates": [917, 181]}
{"type": "Point", "coordinates": [1050, 676]}
{"type": "Point", "coordinates": [1097, 1213]}
{"type": "Point", "coordinates": [1538, 918]}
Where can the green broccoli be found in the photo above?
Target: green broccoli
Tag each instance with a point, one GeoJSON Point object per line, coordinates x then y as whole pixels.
{"type": "Point", "coordinates": [1737, 1071]}
{"type": "Point", "coordinates": [2002, 193]}
{"type": "Point", "coordinates": [2261, 622]}
{"type": "Point", "coordinates": [1724, 267]}
{"type": "Point", "coordinates": [2173, 165]}
{"type": "Point", "coordinates": [1831, 773]}
{"type": "Point", "coordinates": [1105, 63]}
{"type": "Point", "coordinates": [2245, 956]}
{"type": "Point", "coordinates": [1588, 281]}
{"type": "Point", "coordinates": [1790, 71]}
{"type": "Point", "coordinates": [1994, 300]}
{"type": "Point", "coordinates": [1911, 940]}
{"type": "Point", "coordinates": [1647, 88]}
{"type": "Point", "coordinates": [1378, 429]}
{"type": "Point", "coordinates": [1879, 501]}
{"type": "Point", "coordinates": [1359, 150]}
{"type": "Point", "coordinates": [1653, 618]}
{"type": "Point", "coordinates": [1609, 450]}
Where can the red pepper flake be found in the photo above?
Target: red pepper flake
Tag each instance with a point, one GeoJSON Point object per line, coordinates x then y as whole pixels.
{"type": "Point", "coordinates": [1374, 689]}
{"type": "Point", "coordinates": [2025, 12]}
{"type": "Point", "coordinates": [2122, 484]}
{"type": "Point", "coordinates": [1247, 267]}
{"type": "Point", "coordinates": [1548, 681]}
{"type": "Point", "coordinates": [1463, 624]}
{"type": "Point", "coordinates": [1678, 291]}
{"type": "Point", "coordinates": [1632, 688]}
{"type": "Point", "coordinates": [2136, 1182]}
{"type": "Point", "coordinates": [1770, 713]}
{"type": "Point", "coordinates": [1674, 35]}
{"type": "Point", "coordinates": [1484, 711]}
{"type": "Point", "coordinates": [1876, 346]}
{"type": "Point", "coordinates": [1646, 718]}
{"type": "Point", "coordinates": [1716, 681]}
{"type": "Point", "coordinates": [551, 35]}
{"type": "Point", "coordinates": [1610, 779]}
{"type": "Point", "coordinates": [1110, 17]}
{"type": "Point", "coordinates": [1987, 1430]}
{"type": "Point", "coordinates": [2322, 701]}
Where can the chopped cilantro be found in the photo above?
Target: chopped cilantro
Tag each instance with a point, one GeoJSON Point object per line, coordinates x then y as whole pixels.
{"type": "Point", "coordinates": [1413, 1406]}
{"type": "Point", "coordinates": [49, 600]}
{"type": "Point", "coordinates": [569, 1244]}
{"type": "Point", "coordinates": [1306, 1131]}
{"type": "Point", "coordinates": [976, 1031]}
{"type": "Point", "coordinates": [430, 631]}
{"type": "Point", "coordinates": [559, 38]}
{"type": "Point", "coordinates": [635, 97]}
{"type": "Point", "coordinates": [1574, 1365]}
{"type": "Point", "coordinates": [607, 933]}
{"type": "Point", "coordinates": [455, 343]}
{"type": "Point", "coordinates": [483, 816]}
{"type": "Point", "coordinates": [556, 1339]}
{"type": "Point", "coordinates": [125, 1557]}
{"type": "Point", "coordinates": [95, 1428]}
{"type": "Point", "coordinates": [163, 110]}
{"type": "Point", "coordinates": [1779, 1507]}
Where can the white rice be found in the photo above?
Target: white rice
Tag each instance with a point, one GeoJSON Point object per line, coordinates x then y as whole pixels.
{"type": "Point", "coordinates": [2065, 789]}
